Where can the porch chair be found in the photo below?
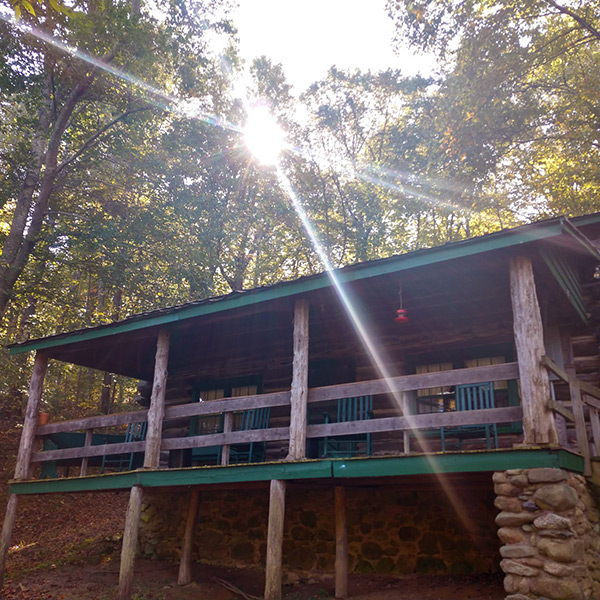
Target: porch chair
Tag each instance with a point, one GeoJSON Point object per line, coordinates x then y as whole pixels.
{"type": "Point", "coordinates": [476, 396]}
{"type": "Point", "coordinates": [206, 425]}
{"type": "Point", "coordinates": [359, 408]}
{"type": "Point", "coordinates": [136, 432]}
{"type": "Point", "coordinates": [256, 418]}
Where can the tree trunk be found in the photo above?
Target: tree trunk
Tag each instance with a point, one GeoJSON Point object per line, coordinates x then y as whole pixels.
{"type": "Point", "coordinates": [106, 394]}
{"type": "Point", "coordinates": [34, 197]}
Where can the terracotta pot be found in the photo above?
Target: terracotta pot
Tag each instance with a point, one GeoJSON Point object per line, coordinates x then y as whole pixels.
{"type": "Point", "coordinates": [43, 418]}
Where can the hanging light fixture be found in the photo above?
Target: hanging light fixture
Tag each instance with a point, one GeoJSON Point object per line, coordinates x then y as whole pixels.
{"type": "Point", "coordinates": [401, 316]}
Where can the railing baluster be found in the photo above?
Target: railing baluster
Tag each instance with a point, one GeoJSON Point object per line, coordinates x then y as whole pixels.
{"type": "Point", "coordinates": [595, 422]}
{"type": "Point", "coordinates": [226, 448]}
{"type": "Point", "coordinates": [580, 428]}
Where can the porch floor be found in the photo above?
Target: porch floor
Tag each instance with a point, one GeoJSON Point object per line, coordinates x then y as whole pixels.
{"type": "Point", "coordinates": [342, 468]}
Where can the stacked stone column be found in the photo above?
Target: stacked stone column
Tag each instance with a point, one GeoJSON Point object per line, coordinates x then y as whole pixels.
{"type": "Point", "coordinates": [550, 527]}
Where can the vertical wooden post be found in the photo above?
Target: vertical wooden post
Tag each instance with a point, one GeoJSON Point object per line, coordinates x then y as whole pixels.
{"type": "Point", "coordinates": [595, 422]}
{"type": "Point", "coordinates": [130, 540]}
{"type": "Point", "coordinates": [341, 544]}
{"type": "Point", "coordinates": [568, 364]}
{"type": "Point", "coordinates": [405, 407]}
{"type": "Point", "coordinates": [273, 575]}
{"type": "Point", "coordinates": [580, 428]}
{"type": "Point", "coordinates": [24, 455]}
{"type": "Point", "coordinates": [185, 565]}
{"type": "Point", "coordinates": [538, 421]}
{"type": "Point", "coordinates": [299, 391]}
{"type": "Point", "coordinates": [227, 427]}
{"type": "Point", "coordinates": [7, 529]}
{"type": "Point", "coordinates": [89, 435]}
{"type": "Point", "coordinates": [156, 412]}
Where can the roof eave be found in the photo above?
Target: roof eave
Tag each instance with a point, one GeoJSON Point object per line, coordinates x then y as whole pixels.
{"type": "Point", "coordinates": [419, 258]}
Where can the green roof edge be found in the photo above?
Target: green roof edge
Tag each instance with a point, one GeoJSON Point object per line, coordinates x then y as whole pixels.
{"type": "Point", "coordinates": [494, 241]}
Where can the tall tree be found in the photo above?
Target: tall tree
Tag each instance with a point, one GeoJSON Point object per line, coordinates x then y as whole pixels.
{"type": "Point", "coordinates": [65, 108]}
{"type": "Point", "coordinates": [519, 96]}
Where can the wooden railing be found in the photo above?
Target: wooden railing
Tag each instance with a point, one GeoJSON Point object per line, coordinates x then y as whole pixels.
{"type": "Point", "coordinates": [391, 386]}
{"type": "Point", "coordinates": [583, 412]}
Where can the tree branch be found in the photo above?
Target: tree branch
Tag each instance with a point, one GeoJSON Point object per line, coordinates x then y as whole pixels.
{"type": "Point", "coordinates": [577, 18]}
{"type": "Point", "coordinates": [95, 136]}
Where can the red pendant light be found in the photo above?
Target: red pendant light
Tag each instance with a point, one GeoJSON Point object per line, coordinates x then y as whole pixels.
{"type": "Point", "coordinates": [401, 314]}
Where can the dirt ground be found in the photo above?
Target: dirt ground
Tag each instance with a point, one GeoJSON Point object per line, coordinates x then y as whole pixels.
{"type": "Point", "coordinates": [156, 581]}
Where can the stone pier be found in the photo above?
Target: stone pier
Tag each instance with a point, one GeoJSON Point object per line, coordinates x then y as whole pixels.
{"type": "Point", "coordinates": [549, 524]}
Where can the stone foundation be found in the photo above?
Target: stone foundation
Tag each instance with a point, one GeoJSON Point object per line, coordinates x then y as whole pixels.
{"type": "Point", "coordinates": [390, 529]}
{"type": "Point", "coordinates": [549, 523]}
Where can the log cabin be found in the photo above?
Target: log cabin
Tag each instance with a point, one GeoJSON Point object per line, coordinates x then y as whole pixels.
{"type": "Point", "coordinates": [432, 412]}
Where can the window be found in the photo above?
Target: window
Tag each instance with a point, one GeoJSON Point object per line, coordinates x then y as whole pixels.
{"type": "Point", "coordinates": [206, 391]}
{"type": "Point", "coordinates": [216, 390]}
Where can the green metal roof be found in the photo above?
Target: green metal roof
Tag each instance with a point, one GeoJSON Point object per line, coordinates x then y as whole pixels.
{"type": "Point", "coordinates": [494, 241]}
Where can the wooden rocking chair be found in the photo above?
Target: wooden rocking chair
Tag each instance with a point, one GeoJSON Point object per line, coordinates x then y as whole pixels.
{"type": "Point", "coordinates": [136, 432]}
{"type": "Point", "coordinates": [359, 408]}
{"type": "Point", "coordinates": [476, 396]}
{"type": "Point", "coordinates": [256, 418]}
{"type": "Point", "coordinates": [206, 425]}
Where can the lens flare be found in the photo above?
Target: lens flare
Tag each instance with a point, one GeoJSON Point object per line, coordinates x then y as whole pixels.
{"type": "Point", "coordinates": [263, 136]}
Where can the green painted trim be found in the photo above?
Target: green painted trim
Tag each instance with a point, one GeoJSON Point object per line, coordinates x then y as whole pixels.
{"type": "Point", "coordinates": [313, 469]}
{"type": "Point", "coordinates": [567, 279]}
{"type": "Point", "coordinates": [570, 461]}
{"type": "Point", "coordinates": [310, 469]}
{"type": "Point", "coordinates": [581, 238]}
{"type": "Point", "coordinates": [586, 219]}
{"type": "Point", "coordinates": [92, 483]}
{"type": "Point", "coordinates": [463, 462]}
{"type": "Point", "coordinates": [418, 258]}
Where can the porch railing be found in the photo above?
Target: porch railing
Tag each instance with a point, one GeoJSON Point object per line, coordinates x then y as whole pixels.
{"type": "Point", "coordinates": [408, 383]}
{"type": "Point", "coordinates": [583, 411]}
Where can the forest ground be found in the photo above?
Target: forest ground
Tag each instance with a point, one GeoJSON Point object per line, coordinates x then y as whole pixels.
{"type": "Point", "coordinates": [59, 552]}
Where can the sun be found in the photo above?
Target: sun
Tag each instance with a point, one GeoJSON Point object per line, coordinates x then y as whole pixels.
{"type": "Point", "coordinates": [263, 136]}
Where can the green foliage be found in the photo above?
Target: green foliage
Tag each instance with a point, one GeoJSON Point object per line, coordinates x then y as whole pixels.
{"type": "Point", "coordinates": [109, 239]}
{"type": "Point", "coordinates": [519, 95]}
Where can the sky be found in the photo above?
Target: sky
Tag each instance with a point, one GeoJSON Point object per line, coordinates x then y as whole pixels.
{"type": "Point", "coordinates": [310, 36]}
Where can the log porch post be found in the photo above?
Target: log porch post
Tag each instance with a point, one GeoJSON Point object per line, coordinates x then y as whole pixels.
{"type": "Point", "coordinates": [341, 544]}
{"type": "Point", "coordinates": [130, 540]}
{"type": "Point", "coordinates": [156, 412]}
{"type": "Point", "coordinates": [7, 529]}
{"type": "Point", "coordinates": [24, 456]}
{"type": "Point", "coordinates": [273, 574]}
{"type": "Point", "coordinates": [538, 421]}
{"type": "Point", "coordinates": [299, 389]}
{"type": "Point", "coordinates": [185, 565]}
